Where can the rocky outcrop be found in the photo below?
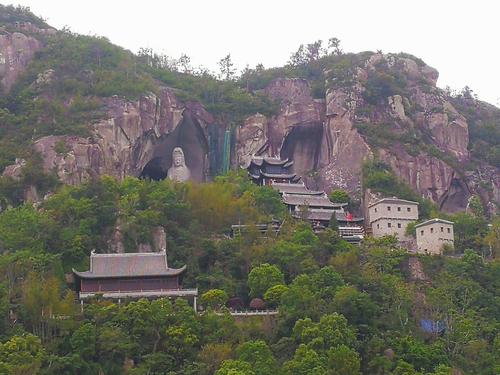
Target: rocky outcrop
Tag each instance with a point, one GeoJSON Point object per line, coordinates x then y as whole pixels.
{"type": "Point", "coordinates": [134, 138]}
{"type": "Point", "coordinates": [323, 137]}
{"type": "Point", "coordinates": [16, 52]}
{"type": "Point", "coordinates": [295, 133]}
{"type": "Point", "coordinates": [408, 123]}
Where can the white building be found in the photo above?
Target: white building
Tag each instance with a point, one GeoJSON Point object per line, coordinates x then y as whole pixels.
{"type": "Point", "coordinates": [433, 234]}
{"type": "Point", "coordinates": [391, 216]}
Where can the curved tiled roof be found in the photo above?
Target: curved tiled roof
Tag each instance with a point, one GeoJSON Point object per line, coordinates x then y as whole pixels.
{"type": "Point", "coordinates": [309, 200]}
{"type": "Point", "coordinates": [260, 160]}
{"type": "Point", "coordinates": [298, 188]}
{"type": "Point", "coordinates": [128, 265]}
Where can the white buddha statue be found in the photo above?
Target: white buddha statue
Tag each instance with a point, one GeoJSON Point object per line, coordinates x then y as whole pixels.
{"type": "Point", "coordinates": [178, 172]}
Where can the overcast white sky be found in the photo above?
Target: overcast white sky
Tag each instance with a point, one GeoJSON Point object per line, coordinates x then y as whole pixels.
{"type": "Point", "coordinates": [460, 38]}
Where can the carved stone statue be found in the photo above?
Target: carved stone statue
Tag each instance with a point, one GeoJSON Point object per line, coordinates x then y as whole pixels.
{"type": "Point", "coordinates": [178, 171]}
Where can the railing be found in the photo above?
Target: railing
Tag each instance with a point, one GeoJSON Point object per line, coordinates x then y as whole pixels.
{"type": "Point", "coordinates": [250, 312]}
{"type": "Point", "coordinates": [140, 293]}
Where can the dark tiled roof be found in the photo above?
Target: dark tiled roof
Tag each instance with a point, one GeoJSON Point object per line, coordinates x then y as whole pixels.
{"type": "Point", "coordinates": [278, 175]}
{"type": "Point", "coordinates": [294, 189]}
{"type": "Point", "coordinates": [309, 200]}
{"type": "Point", "coordinates": [129, 265]}
{"type": "Point", "coordinates": [260, 160]}
{"type": "Point", "coordinates": [320, 215]}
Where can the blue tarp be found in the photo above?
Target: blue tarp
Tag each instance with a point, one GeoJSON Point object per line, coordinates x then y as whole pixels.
{"type": "Point", "coordinates": [431, 326]}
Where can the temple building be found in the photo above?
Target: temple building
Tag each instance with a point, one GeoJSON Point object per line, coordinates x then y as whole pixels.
{"type": "Point", "coordinates": [266, 170]}
{"type": "Point", "coordinates": [351, 228]}
{"type": "Point", "coordinates": [302, 203]}
{"type": "Point", "coordinates": [316, 207]}
{"type": "Point", "coordinates": [131, 276]}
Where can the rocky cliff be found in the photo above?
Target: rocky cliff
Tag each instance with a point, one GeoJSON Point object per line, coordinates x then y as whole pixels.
{"type": "Point", "coordinates": [418, 132]}
{"type": "Point", "coordinates": [373, 106]}
{"type": "Point", "coordinates": [135, 138]}
{"type": "Point", "coordinates": [17, 50]}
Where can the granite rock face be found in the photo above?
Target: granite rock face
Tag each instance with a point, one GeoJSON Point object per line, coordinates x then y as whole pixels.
{"type": "Point", "coordinates": [328, 146]}
{"type": "Point", "coordinates": [17, 49]}
{"type": "Point", "coordinates": [16, 52]}
{"type": "Point", "coordinates": [132, 135]}
{"type": "Point", "coordinates": [328, 137]}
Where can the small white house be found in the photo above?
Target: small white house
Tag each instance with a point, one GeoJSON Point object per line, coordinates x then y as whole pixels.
{"type": "Point", "coordinates": [433, 234]}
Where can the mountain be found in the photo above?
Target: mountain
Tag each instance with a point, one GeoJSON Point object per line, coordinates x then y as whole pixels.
{"type": "Point", "coordinates": [88, 108]}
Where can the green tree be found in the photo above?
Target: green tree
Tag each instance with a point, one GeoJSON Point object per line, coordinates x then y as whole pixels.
{"type": "Point", "coordinates": [235, 367]}
{"type": "Point", "coordinates": [262, 277]}
{"type": "Point", "coordinates": [273, 295]}
{"type": "Point", "coordinates": [21, 355]}
{"type": "Point", "coordinates": [343, 360]}
{"type": "Point", "coordinates": [226, 67]}
{"type": "Point", "coordinates": [83, 341]}
{"type": "Point", "coordinates": [355, 305]}
{"type": "Point", "coordinates": [260, 357]}
{"type": "Point", "coordinates": [340, 196]}
{"type": "Point", "coordinates": [305, 362]}
{"type": "Point", "coordinates": [332, 330]}
{"type": "Point", "coordinates": [214, 298]}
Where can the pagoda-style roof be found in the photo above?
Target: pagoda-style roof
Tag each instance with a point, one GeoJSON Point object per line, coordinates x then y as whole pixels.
{"type": "Point", "coordinates": [310, 200]}
{"type": "Point", "coordinates": [262, 160]}
{"type": "Point", "coordinates": [315, 214]}
{"type": "Point", "coordinates": [326, 215]}
{"type": "Point", "coordinates": [128, 265]}
{"type": "Point", "coordinates": [297, 188]}
{"type": "Point", "coordinates": [288, 176]}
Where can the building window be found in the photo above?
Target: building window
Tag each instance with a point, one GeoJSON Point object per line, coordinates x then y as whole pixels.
{"type": "Point", "coordinates": [388, 208]}
{"type": "Point", "coordinates": [375, 209]}
{"type": "Point", "coordinates": [378, 226]}
{"type": "Point", "coordinates": [432, 230]}
{"type": "Point", "coordinates": [389, 225]}
{"type": "Point", "coordinates": [399, 208]}
{"type": "Point", "coordinates": [449, 230]}
{"type": "Point", "coordinates": [399, 225]}
{"type": "Point", "coordinates": [408, 209]}
{"type": "Point", "coordinates": [421, 232]}
{"type": "Point", "coordinates": [442, 229]}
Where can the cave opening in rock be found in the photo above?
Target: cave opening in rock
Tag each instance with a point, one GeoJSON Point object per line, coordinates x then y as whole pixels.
{"type": "Point", "coordinates": [303, 146]}
{"type": "Point", "coordinates": [154, 170]}
{"type": "Point", "coordinates": [189, 136]}
{"type": "Point", "coordinates": [457, 196]}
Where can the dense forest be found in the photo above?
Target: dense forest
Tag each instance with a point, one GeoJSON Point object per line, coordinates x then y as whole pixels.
{"type": "Point", "coordinates": [341, 309]}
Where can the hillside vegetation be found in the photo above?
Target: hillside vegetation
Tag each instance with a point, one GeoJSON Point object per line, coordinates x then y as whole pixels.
{"type": "Point", "coordinates": [342, 309]}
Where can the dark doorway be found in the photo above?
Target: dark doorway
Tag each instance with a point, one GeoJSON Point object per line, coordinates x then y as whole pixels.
{"type": "Point", "coordinates": [154, 170]}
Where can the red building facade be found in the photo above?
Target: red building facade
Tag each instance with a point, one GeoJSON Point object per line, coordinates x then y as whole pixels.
{"type": "Point", "coordinates": [131, 275]}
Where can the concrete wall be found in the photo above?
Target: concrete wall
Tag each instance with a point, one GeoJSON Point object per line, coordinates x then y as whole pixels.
{"type": "Point", "coordinates": [393, 210]}
{"type": "Point", "coordinates": [384, 227]}
{"type": "Point", "coordinates": [432, 237]}
{"type": "Point", "coordinates": [388, 218]}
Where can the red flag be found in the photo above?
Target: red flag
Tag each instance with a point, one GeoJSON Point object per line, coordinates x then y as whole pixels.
{"type": "Point", "coordinates": [348, 216]}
